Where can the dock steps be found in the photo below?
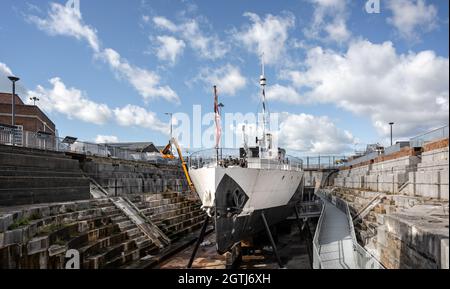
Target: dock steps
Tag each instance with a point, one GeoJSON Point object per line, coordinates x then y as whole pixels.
{"type": "Point", "coordinates": [147, 227]}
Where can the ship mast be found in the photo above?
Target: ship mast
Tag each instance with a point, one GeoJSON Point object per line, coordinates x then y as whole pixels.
{"type": "Point", "coordinates": [263, 83]}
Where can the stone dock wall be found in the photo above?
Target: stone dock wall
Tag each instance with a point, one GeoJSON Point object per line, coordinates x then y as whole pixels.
{"type": "Point", "coordinates": [121, 178]}
{"type": "Point", "coordinates": [29, 176]}
{"type": "Point", "coordinates": [423, 173]}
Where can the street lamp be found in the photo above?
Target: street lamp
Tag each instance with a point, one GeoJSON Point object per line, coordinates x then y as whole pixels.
{"type": "Point", "coordinates": [171, 129]}
{"type": "Point", "coordinates": [391, 124]}
{"type": "Point", "coordinates": [13, 102]}
{"type": "Point", "coordinates": [13, 79]}
{"type": "Point", "coordinates": [34, 99]}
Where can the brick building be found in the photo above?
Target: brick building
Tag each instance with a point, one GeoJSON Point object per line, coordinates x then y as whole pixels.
{"type": "Point", "coordinates": [29, 117]}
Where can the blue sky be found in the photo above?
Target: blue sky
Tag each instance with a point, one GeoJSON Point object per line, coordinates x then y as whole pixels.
{"type": "Point", "coordinates": [337, 73]}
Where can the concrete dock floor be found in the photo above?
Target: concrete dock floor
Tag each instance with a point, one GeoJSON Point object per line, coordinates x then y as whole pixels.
{"type": "Point", "coordinates": [292, 249]}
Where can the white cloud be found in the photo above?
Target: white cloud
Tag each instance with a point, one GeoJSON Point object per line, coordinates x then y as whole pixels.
{"type": "Point", "coordinates": [169, 48]}
{"type": "Point", "coordinates": [102, 139]}
{"type": "Point", "coordinates": [75, 104]}
{"type": "Point", "coordinates": [206, 46]}
{"type": "Point", "coordinates": [165, 23]}
{"type": "Point", "coordinates": [228, 79]}
{"type": "Point", "coordinates": [5, 84]}
{"type": "Point", "coordinates": [5, 70]}
{"type": "Point", "coordinates": [145, 18]}
{"type": "Point", "coordinates": [62, 20]}
{"type": "Point", "coordinates": [132, 115]}
{"type": "Point", "coordinates": [337, 30]}
{"type": "Point", "coordinates": [144, 81]}
{"type": "Point", "coordinates": [285, 93]}
{"type": "Point", "coordinates": [313, 134]}
{"type": "Point", "coordinates": [373, 80]}
{"type": "Point", "coordinates": [268, 35]}
{"type": "Point", "coordinates": [71, 102]}
{"type": "Point", "coordinates": [329, 16]}
{"type": "Point", "coordinates": [410, 17]}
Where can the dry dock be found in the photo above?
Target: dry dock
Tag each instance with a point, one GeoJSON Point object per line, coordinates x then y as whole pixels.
{"type": "Point", "coordinates": [291, 247]}
{"type": "Point", "coordinates": [125, 213]}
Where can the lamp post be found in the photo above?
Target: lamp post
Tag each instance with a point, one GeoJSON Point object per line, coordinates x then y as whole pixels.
{"type": "Point", "coordinates": [34, 99]}
{"type": "Point", "coordinates": [13, 79]}
{"type": "Point", "coordinates": [13, 102]}
{"type": "Point", "coordinates": [171, 129]}
{"type": "Point", "coordinates": [391, 124]}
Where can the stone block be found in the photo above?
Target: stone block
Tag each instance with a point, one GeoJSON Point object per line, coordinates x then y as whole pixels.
{"type": "Point", "coordinates": [380, 218]}
{"type": "Point", "coordinates": [386, 182]}
{"type": "Point", "coordinates": [55, 250]}
{"type": "Point", "coordinates": [14, 237]}
{"type": "Point", "coordinates": [5, 221]}
{"type": "Point", "coordinates": [410, 190]}
{"type": "Point", "coordinates": [443, 182]}
{"type": "Point", "coordinates": [37, 245]}
{"type": "Point", "coordinates": [444, 254]}
{"type": "Point", "coordinates": [427, 184]}
{"type": "Point", "coordinates": [372, 182]}
{"type": "Point", "coordinates": [423, 234]}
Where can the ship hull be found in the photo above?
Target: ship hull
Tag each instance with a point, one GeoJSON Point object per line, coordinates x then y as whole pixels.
{"type": "Point", "coordinates": [239, 196]}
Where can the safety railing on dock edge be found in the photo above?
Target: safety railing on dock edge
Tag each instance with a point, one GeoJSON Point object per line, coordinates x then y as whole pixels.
{"type": "Point", "coordinates": [317, 263]}
{"type": "Point", "coordinates": [436, 134]}
{"type": "Point", "coordinates": [322, 162]}
{"type": "Point", "coordinates": [363, 258]}
{"type": "Point", "coordinates": [42, 141]}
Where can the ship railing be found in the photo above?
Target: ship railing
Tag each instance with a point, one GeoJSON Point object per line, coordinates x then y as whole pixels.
{"type": "Point", "coordinates": [231, 158]}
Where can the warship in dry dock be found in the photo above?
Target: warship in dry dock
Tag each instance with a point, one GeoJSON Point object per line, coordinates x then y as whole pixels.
{"type": "Point", "coordinates": [248, 189]}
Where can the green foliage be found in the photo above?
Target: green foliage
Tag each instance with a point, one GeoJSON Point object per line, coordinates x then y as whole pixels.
{"type": "Point", "coordinates": [19, 224]}
{"type": "Point", "coordinates": [59, 242]}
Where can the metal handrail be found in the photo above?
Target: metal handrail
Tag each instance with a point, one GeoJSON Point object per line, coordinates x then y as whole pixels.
{"type": "Point", "coordinates": [56, 144]}
{"type": "Point", "coordinates": [442, 132]}
{"type": "Point", "coordinates": [362, 256]}
{"type": "Point", "coordinates": [317, 263]}
{"type": "Point", "coordinates": [364, 259]}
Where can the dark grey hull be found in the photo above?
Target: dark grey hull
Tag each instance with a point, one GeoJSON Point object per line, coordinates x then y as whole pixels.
{"type": "Point", "coordinates": [231, 228]}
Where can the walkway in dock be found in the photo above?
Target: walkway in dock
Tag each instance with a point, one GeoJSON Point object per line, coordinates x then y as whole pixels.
{"type": "Point", "coordinates": [335, 240]}
{"type": "Point", "coordinates": [335, 244]}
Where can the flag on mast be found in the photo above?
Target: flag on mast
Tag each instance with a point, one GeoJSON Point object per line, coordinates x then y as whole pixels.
{"type": "Point", "coordinates": [217, 118]}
